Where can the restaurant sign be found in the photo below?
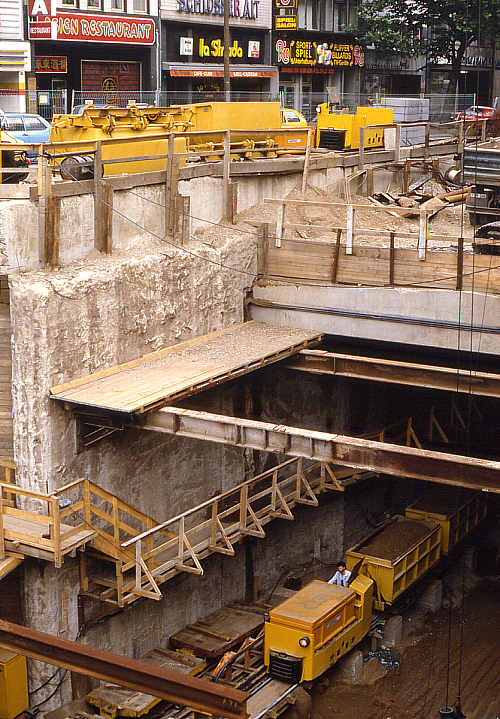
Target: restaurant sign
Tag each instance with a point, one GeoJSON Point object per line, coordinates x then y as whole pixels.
{"type": "Point", "coordinates": [78, 27]}
{"type": "Point", "coordinates": [51, 63]}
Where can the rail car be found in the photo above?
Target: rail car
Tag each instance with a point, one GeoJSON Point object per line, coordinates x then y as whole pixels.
{"type": "Point", "coordinates": [308, 633]}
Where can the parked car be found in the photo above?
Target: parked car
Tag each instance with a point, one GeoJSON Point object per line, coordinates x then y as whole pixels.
{"type": "Point", "coordinates": [292, 118]}
{"type": "Point", "coordinates": [474, 113]}
{"type": "Point", "coordinates": [26, 127]}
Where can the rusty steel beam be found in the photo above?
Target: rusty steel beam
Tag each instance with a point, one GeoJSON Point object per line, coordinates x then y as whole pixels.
{"type": "Point", "coordinates": [198, 694]}
{"type": "Point", "coordinates": [387, 370]}
{"type": "Point", "coordinates": [370, 455]}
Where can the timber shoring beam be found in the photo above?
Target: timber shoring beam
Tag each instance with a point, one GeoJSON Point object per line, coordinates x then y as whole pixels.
{"type": "Point", "coordinates": [395, 372]}
{"type": "Point", "coordinates": [199, 694]}
{"type": "Point", "coordinates": [380, 457]}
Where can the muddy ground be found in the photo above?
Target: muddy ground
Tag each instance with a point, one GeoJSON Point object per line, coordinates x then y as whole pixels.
{"type": "Point", "coordinates": [418, 688]}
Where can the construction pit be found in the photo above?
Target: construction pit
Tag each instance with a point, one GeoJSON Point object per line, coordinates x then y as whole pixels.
{"type": "Point", "coordinates": [327, 459]}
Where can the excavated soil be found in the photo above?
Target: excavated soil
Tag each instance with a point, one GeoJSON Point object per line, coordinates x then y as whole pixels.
{"type": "Point", "coordinates": [418, 688]}
{"type": "Point", "coordinates": [451, 221]}
{"type": "Point", "coordinates": [395, 540]}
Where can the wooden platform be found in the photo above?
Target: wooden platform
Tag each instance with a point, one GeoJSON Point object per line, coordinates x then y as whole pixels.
{"type": "Point", "coordinates": [184, 369]}
{"type": "Point", "coordinates": [220, 631]}
{"type": "Point", "coordinates": [117, 701]}
{"type": "Point", "coordinates": [32, 538]}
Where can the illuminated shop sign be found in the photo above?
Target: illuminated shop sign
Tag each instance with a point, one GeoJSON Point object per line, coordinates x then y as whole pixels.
{"type": "Point", "coordinates": [208, 49]}
{"type": "Point", "coordinates": [95, 28]}
{"type": "Point", "coordinates": [312, 53]}
{"type": "Point", "coordinates": [244, 9]}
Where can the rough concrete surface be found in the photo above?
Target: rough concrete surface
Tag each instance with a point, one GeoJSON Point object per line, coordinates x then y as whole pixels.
{"type": "Point", "coordinates": [87, 317]}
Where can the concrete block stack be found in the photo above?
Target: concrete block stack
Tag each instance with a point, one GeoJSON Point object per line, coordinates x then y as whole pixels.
{"type": "Point", "coordinates": [409, 109]}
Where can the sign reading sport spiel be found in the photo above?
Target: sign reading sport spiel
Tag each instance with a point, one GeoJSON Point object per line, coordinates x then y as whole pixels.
{"type": "Point", "coordinates": [95, 28]}
{"type": "Point", "coordinates": [309, 53]}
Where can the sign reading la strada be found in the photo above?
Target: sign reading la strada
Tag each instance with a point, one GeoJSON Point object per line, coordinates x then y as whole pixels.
{"type": "Point", "coordinates": [318, 54]}
{"type": "Point", "coordinates": [244, 9]}
{"type": "Point", "coordinates": [95, 28]}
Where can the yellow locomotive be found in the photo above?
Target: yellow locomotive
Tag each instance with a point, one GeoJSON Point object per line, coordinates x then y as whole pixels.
{"type": "Point", "coordinates": [306, 634]}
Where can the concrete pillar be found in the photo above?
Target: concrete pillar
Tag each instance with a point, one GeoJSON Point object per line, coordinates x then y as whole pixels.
{"type": "Point", "coordinates": [393, 632]}
{"type": "Point", "coordinates": [431, 599]}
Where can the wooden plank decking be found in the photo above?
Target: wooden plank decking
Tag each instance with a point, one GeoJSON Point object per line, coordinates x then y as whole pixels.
{"type": "Point", "coordinates": [186, 368]}
{"type": "Point", "coordinates": [32, 538]}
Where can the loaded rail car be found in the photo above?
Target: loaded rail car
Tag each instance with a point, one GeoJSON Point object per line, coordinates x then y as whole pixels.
{"type": "Point", "coordinates": [313, 629]}
{"type": "Point", "coordinates": [395, 556]}
{"type": "Point", "coordinates": [457, 518]}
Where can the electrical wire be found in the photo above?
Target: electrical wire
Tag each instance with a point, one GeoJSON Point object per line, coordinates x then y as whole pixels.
{"type": "Point", "coordinates": [286, 279]}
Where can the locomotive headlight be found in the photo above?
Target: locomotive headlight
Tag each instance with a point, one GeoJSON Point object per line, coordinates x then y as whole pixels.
{"type": "Point", "coordinates": [304, 642]}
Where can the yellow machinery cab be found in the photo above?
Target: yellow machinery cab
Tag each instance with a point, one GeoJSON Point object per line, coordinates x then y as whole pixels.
{"type": "Point", "coordinates": [308, 633]}
{"type": "Point", "coordinates": [338, 130]}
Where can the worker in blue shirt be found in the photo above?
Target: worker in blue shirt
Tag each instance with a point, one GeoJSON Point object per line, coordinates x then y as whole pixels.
{"type": "Point", "coordinates": [341, 576]}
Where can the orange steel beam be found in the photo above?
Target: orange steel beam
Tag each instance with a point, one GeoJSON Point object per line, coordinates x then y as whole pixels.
{"type": "Point", "coordinates": [366, 454]}
{"type": "Point", "coordinates": [395, 372]}
{"type": "Point", "coordinates": [199, 694]}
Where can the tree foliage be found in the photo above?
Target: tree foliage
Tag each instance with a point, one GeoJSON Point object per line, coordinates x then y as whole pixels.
{"type": "Point", "coordinates": [442, 30]}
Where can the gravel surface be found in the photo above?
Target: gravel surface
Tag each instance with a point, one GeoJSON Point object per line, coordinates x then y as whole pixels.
{"type": "Point", "coordinates": [395, 539]}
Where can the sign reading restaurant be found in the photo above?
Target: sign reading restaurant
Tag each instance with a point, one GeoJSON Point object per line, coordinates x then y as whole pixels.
{"type": "Point", "coordinates": [94, 28]}
{"type": "Point", "coordinates": [245, 9]}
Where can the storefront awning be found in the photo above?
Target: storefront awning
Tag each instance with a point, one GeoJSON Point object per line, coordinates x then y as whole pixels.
{"type": "Point", "coordinates": [205, 70]}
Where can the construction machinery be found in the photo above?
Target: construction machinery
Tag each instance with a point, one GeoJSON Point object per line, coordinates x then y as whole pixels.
{"type": "Point", "coordinates": [395, 556]}
{"type": "Point", "coordinates": [13, 684]}
{"type": "Point", "coordinates": [339, 130]}
{"type": "Point", "coordinates": [309, 632]}
{"type": "Point", "coordinates": [253, 129]}
{"type": "Point", "coordinates": [481, 168]}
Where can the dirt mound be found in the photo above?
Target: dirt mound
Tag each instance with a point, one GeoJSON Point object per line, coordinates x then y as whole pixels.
{"type": "Point", "coordinates": [395, 539]}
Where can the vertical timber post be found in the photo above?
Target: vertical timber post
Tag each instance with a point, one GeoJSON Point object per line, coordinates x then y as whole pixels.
{"type": "Point", "coordinates": [98, 205]}
{"type": "Point", "coordinates": [361, 160]}
{"type": "Point", "coordinates": [307, 159]}
{"type": "Point", "coordinates": [226, 178]}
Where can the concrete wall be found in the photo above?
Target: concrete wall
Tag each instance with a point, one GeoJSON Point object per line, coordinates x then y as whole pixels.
{"type": "Point", "coordinates": [73, 322]}
{"type": "Point", "coordinates": [138, 220]}
{"type": "Point", "coordinates": [429, 305]}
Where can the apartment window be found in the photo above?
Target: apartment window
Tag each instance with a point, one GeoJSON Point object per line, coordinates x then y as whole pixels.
{"type": "Point", "coordinates": [314, 14]}
{"type": "Point", "coordinates": [138, 5]}
{"type": "Point", "coordinates": [94, 3]}
{"type": "Point", "coordinates": [69, 3]}
{"type": "Point", "coordinates": [116, 4]}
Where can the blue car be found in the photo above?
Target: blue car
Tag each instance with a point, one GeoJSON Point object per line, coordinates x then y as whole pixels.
{"type": "Point", "coordinates": [26, 128]}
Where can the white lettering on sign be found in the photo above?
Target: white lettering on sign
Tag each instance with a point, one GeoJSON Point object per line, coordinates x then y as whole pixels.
{"type": "Point", "coordinates": [42, 7]}
{"type": "Point", "coordinates": [245, 9]}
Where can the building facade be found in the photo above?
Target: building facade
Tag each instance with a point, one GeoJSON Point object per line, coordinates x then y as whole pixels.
{"type": "Point", "coordinates": [193, 48]}
{"type": "Point", "coordinates": [97, 48]}
{"type": "Point", "coordinates": [318, 55]}
{"type": "Point", "coordinates": [15, 56]}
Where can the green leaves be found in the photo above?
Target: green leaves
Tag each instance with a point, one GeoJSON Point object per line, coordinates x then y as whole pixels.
{"type": "Point", "coordinates": [441, 30]}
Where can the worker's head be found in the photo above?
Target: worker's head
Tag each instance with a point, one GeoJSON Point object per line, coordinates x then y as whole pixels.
{"type": "Point", "coordinates": [341, 566]}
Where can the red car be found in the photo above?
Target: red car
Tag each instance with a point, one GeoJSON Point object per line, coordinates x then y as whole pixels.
{"type": "Point", "coordinates": [474, 113]}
